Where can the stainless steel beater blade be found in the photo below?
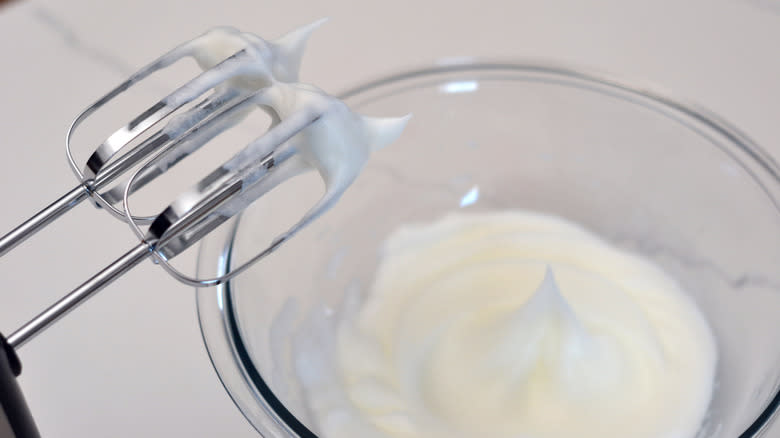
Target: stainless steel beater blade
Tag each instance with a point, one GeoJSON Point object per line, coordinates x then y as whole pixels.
{"type": "Point", "coordinates": [309, 131]}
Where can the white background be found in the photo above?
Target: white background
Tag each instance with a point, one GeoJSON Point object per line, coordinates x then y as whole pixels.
{"type": "Point", "coordinates": [131, 362]}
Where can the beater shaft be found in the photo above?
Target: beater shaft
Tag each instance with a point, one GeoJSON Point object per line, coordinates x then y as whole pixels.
{"type": "Point", "coordinates": [79, 295]}
{"type": "Point", "coordinates": [42, 218]}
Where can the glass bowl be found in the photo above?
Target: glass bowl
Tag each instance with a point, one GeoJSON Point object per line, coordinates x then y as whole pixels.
{"type": "Point", "coordinates": [654, 176]}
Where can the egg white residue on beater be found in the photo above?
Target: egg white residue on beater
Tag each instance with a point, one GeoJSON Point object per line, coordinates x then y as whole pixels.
{"type": "Point", "coordinates": [262, 64]}
{"type": "Point", "coordinates": [337, 145]}
{"type": "Point", "coordinates": [509, 324]}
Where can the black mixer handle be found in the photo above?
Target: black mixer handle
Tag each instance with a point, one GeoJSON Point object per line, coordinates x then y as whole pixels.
{"type": "Point", "coordinates": [15, 418]}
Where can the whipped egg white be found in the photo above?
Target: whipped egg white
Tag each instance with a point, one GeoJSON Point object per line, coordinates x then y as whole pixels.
{"type": "Point", "coordinates": [512, 324]}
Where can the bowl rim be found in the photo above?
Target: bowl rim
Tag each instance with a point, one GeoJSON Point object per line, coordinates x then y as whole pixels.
{"type": "Point", "coordinates": [220, 329]}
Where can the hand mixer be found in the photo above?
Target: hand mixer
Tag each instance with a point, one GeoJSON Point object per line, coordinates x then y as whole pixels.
{"type": "Point", "coordinates": [241, 73]}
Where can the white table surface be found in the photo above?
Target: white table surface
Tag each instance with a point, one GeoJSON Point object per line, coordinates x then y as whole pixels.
{"type": "Point", "coordinates": [131, 362]}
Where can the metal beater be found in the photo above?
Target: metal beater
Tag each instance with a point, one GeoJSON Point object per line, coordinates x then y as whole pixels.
{"type": "Point", "coordinates": [228, 89]}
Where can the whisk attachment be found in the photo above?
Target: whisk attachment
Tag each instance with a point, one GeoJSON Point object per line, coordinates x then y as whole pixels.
{"type": "Point", "coordinates": [310, 131]}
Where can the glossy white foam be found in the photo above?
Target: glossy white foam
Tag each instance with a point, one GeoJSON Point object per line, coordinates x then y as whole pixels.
{"type": "Point", "coordinates": [511, 324]}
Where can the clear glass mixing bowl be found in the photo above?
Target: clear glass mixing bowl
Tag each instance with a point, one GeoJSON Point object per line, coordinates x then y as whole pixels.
{"type": "Point", "coordinates": [657, 177]}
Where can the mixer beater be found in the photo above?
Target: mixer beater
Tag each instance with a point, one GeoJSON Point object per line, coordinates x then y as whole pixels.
{"type": "Point", "coordinates": [241, 73]}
